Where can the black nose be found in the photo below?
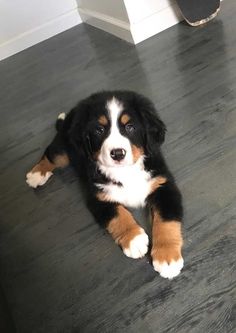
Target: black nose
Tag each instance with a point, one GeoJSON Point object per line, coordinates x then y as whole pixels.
{"type": "Point", "coordinates": [118, 154]}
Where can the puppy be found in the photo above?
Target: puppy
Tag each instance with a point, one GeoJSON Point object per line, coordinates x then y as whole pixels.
{"type": "Point", "coordinates": [113, 139]}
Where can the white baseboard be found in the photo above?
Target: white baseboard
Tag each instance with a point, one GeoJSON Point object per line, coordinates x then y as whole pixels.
{"type": "Point", "coordinates": [39, 34]}
{"type": "Point", "coordinates": [133, 33]}
{"type": "Point", "coordinates": [156, 23]}
{"type": "Point", "coordinates": [107, 23]}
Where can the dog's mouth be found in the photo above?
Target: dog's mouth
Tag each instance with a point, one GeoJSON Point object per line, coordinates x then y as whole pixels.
{"type": "Point", "coordinates": [114, 164]}
{"type": "Point", "coordinates": [119, 163]}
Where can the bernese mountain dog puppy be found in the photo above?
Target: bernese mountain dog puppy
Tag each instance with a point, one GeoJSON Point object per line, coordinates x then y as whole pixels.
{"type": "Point", "coordinates": [113, 139]}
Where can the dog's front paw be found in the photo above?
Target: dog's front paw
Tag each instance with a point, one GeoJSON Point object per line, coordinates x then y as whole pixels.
{"type": "Point", "coordinates": [167, 261]}
{"type": "Point", "coordinates": [35, 179]}
{"type": "Point", "coordinates": [138, 246]}
{"type": "Point", "coordinates": [168, 270]}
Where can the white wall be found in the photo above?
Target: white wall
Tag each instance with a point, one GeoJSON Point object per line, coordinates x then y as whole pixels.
{"type": "Point", "coordinates": [111, 8]}
{"type": "Point", "coordinates": [24, 23]}
{"type": "Point", "coordinates": [132, 20]}
{"type": "Point", "coordinates": [145, 8]}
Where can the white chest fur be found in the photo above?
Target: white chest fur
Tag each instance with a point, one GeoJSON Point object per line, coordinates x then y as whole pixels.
{"type": "Point", "coordinates": [136, 184]}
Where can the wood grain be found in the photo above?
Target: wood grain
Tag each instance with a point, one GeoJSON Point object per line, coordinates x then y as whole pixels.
{"type": "Point", "coordinates": [59, 271]}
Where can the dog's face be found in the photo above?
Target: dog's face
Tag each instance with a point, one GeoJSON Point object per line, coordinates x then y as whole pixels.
{"type": "Point", "coordinates": [117, 128]}
{"type": "Point", "coordinates": [117, 139]}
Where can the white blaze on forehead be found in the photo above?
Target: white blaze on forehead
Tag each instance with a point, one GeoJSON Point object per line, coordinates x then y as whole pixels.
{"type": "Point", "coordinates": [114, 108]}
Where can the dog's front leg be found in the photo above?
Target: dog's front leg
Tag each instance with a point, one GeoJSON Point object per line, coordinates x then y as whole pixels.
{"type": "Point", "coordinates": [167, 238]}
{"type": "Point", "coordinates": [123, 228]}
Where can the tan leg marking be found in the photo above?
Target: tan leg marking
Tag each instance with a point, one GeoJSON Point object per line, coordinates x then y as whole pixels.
{"type": "Point", "coordinates": [61, 161]}
{"type": "Point", "coordinates": [42, 171]}
{"type": "Point", "coordinates": [43, 166]}
{"type": "Point", "coordinates": [166, 247]}
{"type": "Point", "coordinates": [128, 234]}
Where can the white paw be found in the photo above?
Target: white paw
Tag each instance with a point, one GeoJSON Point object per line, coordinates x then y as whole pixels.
{"type": "Point", "coordinates": [168, 271]}
{"type": "Point", "coordinates": [34, 179]}
{"type": "Point", "coordinates": [138, 246]}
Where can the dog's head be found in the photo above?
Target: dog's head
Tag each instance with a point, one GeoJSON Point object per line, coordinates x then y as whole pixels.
{"type": "Point", "coordinates": [117, 128]}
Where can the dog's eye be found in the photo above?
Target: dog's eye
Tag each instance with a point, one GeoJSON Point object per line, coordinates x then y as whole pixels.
{"type": "Point", "coordinates": [99, 130]}
{"type": "Point", "coordinates": [129, 128]}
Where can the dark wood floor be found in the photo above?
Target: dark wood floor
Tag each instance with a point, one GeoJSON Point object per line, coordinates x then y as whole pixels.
{"type": "Point", "coordinates": [59, 271]}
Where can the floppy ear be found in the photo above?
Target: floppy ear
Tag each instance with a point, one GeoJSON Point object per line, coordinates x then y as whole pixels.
{"type": "Point", "coordinates": [155, 129]}
{"type": "Point", "coordinates": [77, 131]}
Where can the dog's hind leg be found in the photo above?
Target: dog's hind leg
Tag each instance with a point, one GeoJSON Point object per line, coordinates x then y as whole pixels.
{"type": "Point", "coordinates": [55, 156]}
{"type": "Point", "coordinates": [43, 170]}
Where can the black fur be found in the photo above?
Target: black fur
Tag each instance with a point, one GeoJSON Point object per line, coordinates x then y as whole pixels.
{"type": "Point", "coordinates": [79, 137]}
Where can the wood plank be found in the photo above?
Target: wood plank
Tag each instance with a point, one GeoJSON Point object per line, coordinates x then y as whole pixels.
{"type": "Point", "coordinates": [59, 271]}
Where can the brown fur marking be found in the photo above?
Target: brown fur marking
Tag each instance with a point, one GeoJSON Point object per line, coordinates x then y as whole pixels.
{"type": "Point", "coordinates": [137, 152]}
{"type": "Point", "coordinates": [167, 240]}
{"type": "Point", "coordinates": [61, 161]}
{"type": "Point", "coordinates": [125, 118]}
{"type": "Point", "coordinates": [96, 155]}
{"type": "Point", "coordinates": [102, 196]}
{"type": "Point", "coordinates": [103, 120]}
{"type": "Point", "coordinates": [123, 228]}
{"type": "Point", "coordinates": [45, 165]}
{"type": "Point", "coordinates": [157, 182]}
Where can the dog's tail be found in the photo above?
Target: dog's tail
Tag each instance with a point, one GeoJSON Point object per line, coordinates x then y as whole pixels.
{"type": "Point", "coordinates": [60, 120]}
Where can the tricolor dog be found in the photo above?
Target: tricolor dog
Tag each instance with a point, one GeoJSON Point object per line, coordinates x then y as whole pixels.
{"type": "Point", "coordinates": [113, 139]}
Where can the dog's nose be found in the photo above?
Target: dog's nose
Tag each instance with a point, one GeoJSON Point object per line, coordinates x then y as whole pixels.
{"type": "Point", "coordinates": [118, 154]}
